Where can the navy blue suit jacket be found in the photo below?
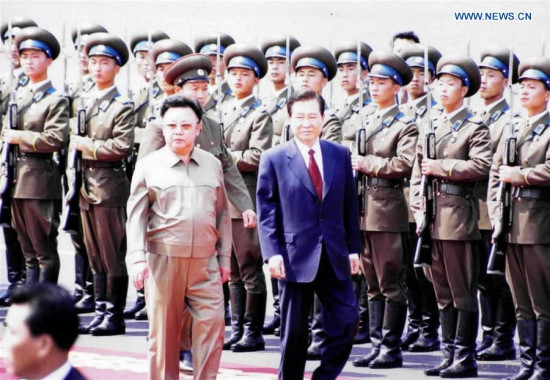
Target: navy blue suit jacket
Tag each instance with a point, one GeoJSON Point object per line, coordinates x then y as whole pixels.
{"type": "Point", "coordinates": [292, 221]}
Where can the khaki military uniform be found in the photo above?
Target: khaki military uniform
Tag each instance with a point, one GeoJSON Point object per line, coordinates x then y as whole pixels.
{"type": "Point", "coordinates": [105, 189]}
{"type": "Point", "coordinates": [248, 131]}
{"type": "Point", "coordinates": [142, 107]}
{"type": "Point", "coordinates": [348, 113]}
{"type": "Point", "coordinates": [44, 117]}
{"type": "Point", "coordinates": [528, 256]}
{"type": "Point", "coordinates": [463, 156]}
{"type": "Point", "coordinates": [390, 147]}
{"type": "Point", "coordinates": [276, 106]}
{"type": "Point", "coordinates": [210, 107]}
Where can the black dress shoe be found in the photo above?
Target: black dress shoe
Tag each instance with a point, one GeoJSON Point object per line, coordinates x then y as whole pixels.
{"type": "Point", "coordinates": [364, 361]}
{"type": "Point", "coordinates": [5, 297]}
{"type": "Point", "coordinates": [486, 342]}
{"type": "Point", "coordinates": [231, 341]}
{"type": "Point", "coordinates": [249, 343]}
{"type": "Point", "coordinates": [496, 353]}
{"type": "Point", "coordinates": [459, 372]}
{"type": "Point", "coordinates": [386, 360]}
{"type": "Point", "coordinates": [277, 331]}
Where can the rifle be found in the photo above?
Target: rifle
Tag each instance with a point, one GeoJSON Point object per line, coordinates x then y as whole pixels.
{"type": "Point", "coordinates": [287, 133]}
{"type": "Point", "coordinates": [218, 82]}
{"type": "Point", "coordinates": [497, 257]}
{"type": "Point", "coordinates": [360, 137]}
{"type": "Point", "coordinates": [71, 222]}
{"type": "Point", "coordinates": [62, 154]}
{"type": "Point", "coordinates": [130, 160]}
{"type": "Point", "coordinates": [423, 252]}
{"type": "Point", "coordinates": [8, 163]}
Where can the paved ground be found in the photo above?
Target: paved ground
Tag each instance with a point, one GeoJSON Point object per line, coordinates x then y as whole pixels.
{"type": "Point", "coordinates": [124, 357]}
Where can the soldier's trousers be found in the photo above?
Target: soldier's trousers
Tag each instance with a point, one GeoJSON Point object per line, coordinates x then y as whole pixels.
{"type": "Point", "coordinates": [105, 239]}
{"type": "Point", "coordinates": [528, 273]}
{"type": "Point", "coordinates": [384, 265]}
{"type": "Point", "coordinates": [454, 272]}
{"type": "Point", "coordinates": [36, 222]}
{"type": "Point", "coordinates": [246, 259]}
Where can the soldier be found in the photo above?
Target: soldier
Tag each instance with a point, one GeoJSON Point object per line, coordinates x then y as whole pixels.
{"type": "Point", "coordinates": [84, 286]}
{"type": "Point", "coordinates": [402, 39]}
{"type": "Point", "coordinates": [315, 66]}
{"type": "Point", "coordinates": [276, 54]}
{"type": "Point", "coordinates": [139, 45]}
{"type": "Point", "coordinates": [14, 255]}
{"type": "Point", "coordinates": [390, 148]}
{"type": "Point", "coordinates": [164, 53]}
{"type": "Point", "coordinates": [422, 330]}
{"type": "Point", "coordinates": [248, 131]}
{"type": "Point", "coordinates": [105, 189]}
{"type": "Point", "coordinates": [15, 262]}
{"type": "Point", "coordinates": [463, 156]}
{"type": "Point", "coordinates": [42, 129]}
{"type": "Point", "coordinates": [498, 321]}
{"type": "Point", "coordinates": [348, 110]}
{"type": "Point", "coordinates": [528, 253]}
{"type": "Point", "coordinates": [189, 76]}
{"type": "Point", "coordinates": [208, 44]}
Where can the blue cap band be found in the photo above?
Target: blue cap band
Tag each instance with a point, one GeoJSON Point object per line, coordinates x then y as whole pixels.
{"type": "Point", "coordinates": [536, 75]}
{"type": "Point", "coordinates": [384, 71]}
{"type": "Point", "coordinates": [456, 71]}
{"type": "Point", "coordinates": [246, 63]}
{"type": "Point", "coordinates": [276, 51]}
{"type": "Point", "coordinates": [496, 64]}
{"type": "Point", "coordinates": [212, 49]}
{"type": "Point", "coordinates": [141, 46]}
{"type": "Point", "coordinates": [313, 62]}
{"type": "Point", "coordinates": [167, 57]}
{"type": "Point", "coordinates": [36, 45]}
{"type": "Point", "coordinates": [106, 51]}
{"type": "Point", "coordinates": [351, 57]}
{"type": "Point", "coordinates": [418, 61]}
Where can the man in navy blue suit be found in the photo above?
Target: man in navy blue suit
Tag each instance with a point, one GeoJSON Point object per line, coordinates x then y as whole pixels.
{"type": "Point", "coordinates": [309, 235]}
{"type": "Point", "coordinates": [41, 328]}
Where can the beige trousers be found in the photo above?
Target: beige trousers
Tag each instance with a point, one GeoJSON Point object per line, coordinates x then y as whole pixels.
{"type": "Point", "coordinates": [174, 285]}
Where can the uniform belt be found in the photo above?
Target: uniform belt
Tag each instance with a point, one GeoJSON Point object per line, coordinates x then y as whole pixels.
{"type": "Point", "coordinates": [535, 193]}
{"type": "Point", "coordinates": [101, 164]}
{"type": "Point", "coordinates": [37, 156]}
{"type": "Point", "coordinates": [445, 188]}
{"type": "Point", "coordinates": [384, 182]}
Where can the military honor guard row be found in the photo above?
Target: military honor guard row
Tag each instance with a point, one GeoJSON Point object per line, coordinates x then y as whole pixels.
{"type": "Point", "coordinates": [399, 212]}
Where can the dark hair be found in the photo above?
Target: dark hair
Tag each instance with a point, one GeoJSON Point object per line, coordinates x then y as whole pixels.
{"type": "Point", "coordinates": [305, 96]}
{"type": "Point", "coordinates": [409, 35]}
{"type": "Point", "coordinates": [52, 312]}
{"type": "Point", "coordinates": [180, 101]}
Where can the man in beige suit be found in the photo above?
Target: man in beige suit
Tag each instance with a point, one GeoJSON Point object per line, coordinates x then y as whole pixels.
{"type": "Point", "coordinates": [43, 119]}
{"type": "Point", "coordinates": [180, 243]}
{"type": "Point", "coordinates": [109, 140]}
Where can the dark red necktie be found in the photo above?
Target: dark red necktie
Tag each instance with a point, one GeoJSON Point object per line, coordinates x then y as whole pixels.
{"type": "Point", "coordinates": [315, 174]}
